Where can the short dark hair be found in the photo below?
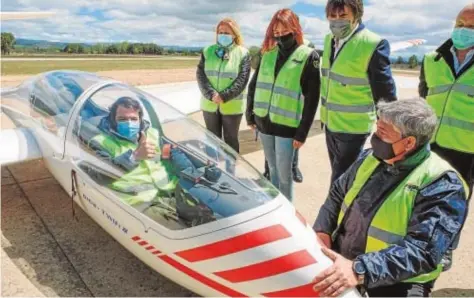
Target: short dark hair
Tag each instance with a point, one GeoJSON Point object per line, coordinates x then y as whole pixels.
{"type": "Point", "coordinates": [357, 7]}
{"type": "Point", "coordinates": [128, 103]}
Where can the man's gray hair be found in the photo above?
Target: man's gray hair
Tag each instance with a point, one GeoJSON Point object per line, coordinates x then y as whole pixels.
{"type": "Point", "coordinates": [413, 117]}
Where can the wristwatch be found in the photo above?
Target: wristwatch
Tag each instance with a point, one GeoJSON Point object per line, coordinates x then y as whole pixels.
{"type": "Point", "coordinates": [359, 269]}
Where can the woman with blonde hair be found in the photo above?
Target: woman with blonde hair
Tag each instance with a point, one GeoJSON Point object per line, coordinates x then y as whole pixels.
{"type": "Point", "coordinates": [222, 75]}
{"type": "Point", "coordinates": [283, 96]}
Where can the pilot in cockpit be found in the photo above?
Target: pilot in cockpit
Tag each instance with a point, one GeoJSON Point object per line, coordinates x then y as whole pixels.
{"type": "Point", "coordinates": [151, 167]}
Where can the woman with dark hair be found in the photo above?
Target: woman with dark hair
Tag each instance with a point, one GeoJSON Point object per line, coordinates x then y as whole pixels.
{"type": "Point", "coordinates": [283, 96]}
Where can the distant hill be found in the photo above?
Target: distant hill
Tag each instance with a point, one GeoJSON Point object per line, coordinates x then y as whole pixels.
{"type": "Point", "coordinates": [43, 44]}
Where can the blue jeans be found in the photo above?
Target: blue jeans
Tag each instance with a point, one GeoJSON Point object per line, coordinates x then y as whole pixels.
{"type": "Point", "coordinates": [279, 154]}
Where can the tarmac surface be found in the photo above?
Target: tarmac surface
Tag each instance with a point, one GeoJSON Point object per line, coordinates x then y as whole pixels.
{"type": "Point", "coordinates": [46, 252]}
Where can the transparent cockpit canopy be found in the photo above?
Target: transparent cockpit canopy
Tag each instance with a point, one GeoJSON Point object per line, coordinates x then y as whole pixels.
{"type": "Point", "coordinates": [47, 97]}
{"type": "Point", "coordinates": [204, 180]}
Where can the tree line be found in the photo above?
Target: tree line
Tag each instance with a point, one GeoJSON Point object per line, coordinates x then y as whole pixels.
{"type": "Point", "coordinates": [115, 48]}
{"type": "Point", "coordinates": [8, 42]}
{"type": "Point", "coordinates": [124, 48]}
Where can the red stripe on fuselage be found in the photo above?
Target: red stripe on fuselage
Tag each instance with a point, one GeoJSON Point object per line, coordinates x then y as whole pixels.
{"type": "Point", "coordinates": [268, 268]}
{"type": "Point", "coordinates": [201, 278]}
{"type": "Point", "coordinates": [235, 244]}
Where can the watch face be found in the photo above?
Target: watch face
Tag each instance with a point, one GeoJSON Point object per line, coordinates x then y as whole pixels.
{"type": "Point", "coordinates": [359, 268]}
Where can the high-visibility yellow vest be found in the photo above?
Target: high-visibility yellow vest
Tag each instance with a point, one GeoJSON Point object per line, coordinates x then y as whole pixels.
{"type": "Point", "coordinates": [453, 101]}
{"type": "Point", "coordinates": [281, 97]}
{"type": "Point", "coordinates": [390, 223]}
{"type": "Point", "coordinates": [347, 103]}
{"type": "Point", "coordinates": [143, 183]}
{"type": "Point", "coordinates": [222, 74]}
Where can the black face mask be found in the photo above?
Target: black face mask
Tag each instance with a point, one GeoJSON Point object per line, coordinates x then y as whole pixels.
{"type": "Point", "coordinates": [382, 150]}
{"type": "Point", "coordinates": [285, 42]}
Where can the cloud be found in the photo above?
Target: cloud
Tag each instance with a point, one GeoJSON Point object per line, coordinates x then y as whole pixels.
{"type": "Point", "coordinates": [180, 22]}
{"type": "Point", "coordinates": [166, 22]}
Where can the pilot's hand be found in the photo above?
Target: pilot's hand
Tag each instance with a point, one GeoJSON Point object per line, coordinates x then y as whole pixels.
{"type": "Point", "coordinates": [216, 98]}
{"type": "Point", "coordinates": [297, 144]}
{"type": "Point", "coordinates": [145, 150]}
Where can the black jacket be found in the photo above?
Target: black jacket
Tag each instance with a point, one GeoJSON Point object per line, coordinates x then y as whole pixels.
{"type": "Point", "coordinates": [444, 52]}
{"type": "Point", "coordinates": [232, 91]}
{"type": "Point", "coordinates": [310, 83]}
{"type": "Point", "coordinates": [438, 214]}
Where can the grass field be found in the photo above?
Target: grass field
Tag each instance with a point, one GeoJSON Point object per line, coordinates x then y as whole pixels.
{"type": "Point", "coordinates": [34, 67]}
{"type": "Point", "coordinates": [72, 56]}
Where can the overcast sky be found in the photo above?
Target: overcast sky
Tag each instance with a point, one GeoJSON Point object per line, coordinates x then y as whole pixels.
{"type": "Point", "coordinates": [192, 22]}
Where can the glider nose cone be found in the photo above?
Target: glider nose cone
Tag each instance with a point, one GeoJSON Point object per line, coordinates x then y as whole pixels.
{"type": "Point", "coordinates": [274, 255]}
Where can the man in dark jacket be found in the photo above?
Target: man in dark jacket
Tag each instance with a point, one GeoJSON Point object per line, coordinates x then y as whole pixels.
{"type": "Point", "coordinates": [393, 214]}
{"type": "Point", "coordinates": [447, 83]}
{"type": "Point", "coordinates": [356, 74]}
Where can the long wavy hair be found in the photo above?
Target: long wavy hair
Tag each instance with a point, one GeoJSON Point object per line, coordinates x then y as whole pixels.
{"type": "Point", "coordinates": [239, 40]}
{"type": "Point", "coordinates": [289, 20]}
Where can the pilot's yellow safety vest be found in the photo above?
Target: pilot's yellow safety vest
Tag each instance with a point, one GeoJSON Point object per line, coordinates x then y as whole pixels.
{"type": "Point", "coordinates": [390, 223]}
{"type": "Point", "coordinates": [143, 183]}
{"type": "Point", "coordinates": [222, 74]}
{"type": "Point", "coordinates": [347, 103]}
{"type": "Point", "coordinates": [281, 97]}
{"type": "Point", "coordinates": [453, 101]}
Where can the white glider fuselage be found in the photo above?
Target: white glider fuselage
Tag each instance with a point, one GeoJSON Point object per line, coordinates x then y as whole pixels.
{"type": "Point", "coordinates": [265, 248]}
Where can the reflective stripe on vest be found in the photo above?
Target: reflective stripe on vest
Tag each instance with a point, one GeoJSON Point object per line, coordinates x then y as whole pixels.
{"type": "Point", "coordinates": [347, 103]}
{"type": "Point", "coordinates": [281, 97]}
{"type": "Point", "coordinates": [389, 225]}
{"type": "Point", "coordinates": [453, 101]}
{"type": "Point", "coordinates": [222, 74]}
{"type": "Point", "coordinates": [150, 176]}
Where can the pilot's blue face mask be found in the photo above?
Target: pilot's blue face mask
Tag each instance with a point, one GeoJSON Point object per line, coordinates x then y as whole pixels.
{"type": "Point", "coordinates": [128, 129]}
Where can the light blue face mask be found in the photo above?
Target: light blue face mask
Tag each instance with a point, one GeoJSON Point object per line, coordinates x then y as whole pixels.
{"type": "Point", "coordinates": [128, 129]}
{"type": "Point", "coordinates": [463, 38]}
{"type": "Point", "coordinates": [225, 40]}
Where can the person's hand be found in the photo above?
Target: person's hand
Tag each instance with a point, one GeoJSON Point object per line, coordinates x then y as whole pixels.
{"type": "Point", "coordinates": [324, 239]}
{"type": "Point", "coordinates": [297, 144]}
{"type": "Point", "coordinates": [252, 126]}
{"type": "Point", "coordinates": [216, 98]}
{"type": "Point", "coordinates": [145, 150]}
{"type": "Point", "coordinates": [336, 279]}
